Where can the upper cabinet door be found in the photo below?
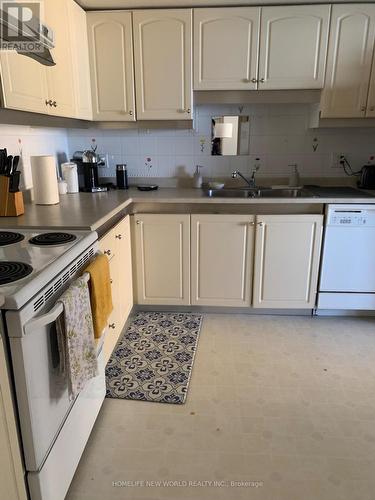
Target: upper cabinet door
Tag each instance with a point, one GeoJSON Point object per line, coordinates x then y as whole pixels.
{"type": "Point", "coordinates": [111, 57]}
{"type": "Point", "coordinates": [163, 53]}
{"type": "Point", "coordinates": [60, 78]}
{"type": "Point", "coordinates": [80, 61]}
{"type": "Point", "coordinates": [350, 51]}
{"type": "Point", "coordinates": [370, 111]}
{"type": "Point", "coordinates": [24, 83]}
{"type": "Point", "coordinates": [226, 48]}
{"type": "Point", "coordinates": [293, 46]}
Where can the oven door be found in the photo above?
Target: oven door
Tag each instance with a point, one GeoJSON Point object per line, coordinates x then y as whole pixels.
{"type": "Point", "coordinates": [42, 392]}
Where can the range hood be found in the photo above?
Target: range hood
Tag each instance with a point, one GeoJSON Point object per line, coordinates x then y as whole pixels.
{"type": "Point", "coordinates": [30, 38]}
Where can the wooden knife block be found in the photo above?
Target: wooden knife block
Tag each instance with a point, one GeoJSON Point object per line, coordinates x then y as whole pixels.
{"type": "Point", "coordinates": [11, 204]}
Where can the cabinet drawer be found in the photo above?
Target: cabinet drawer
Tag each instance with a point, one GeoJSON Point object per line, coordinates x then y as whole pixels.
{"type": "Point", "coordinates": [112, 243]}
{"type": "Point", "coordinates": [107, 245]}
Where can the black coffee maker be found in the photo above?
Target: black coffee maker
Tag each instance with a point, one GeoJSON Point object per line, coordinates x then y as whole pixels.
{"type": "Point", "coordinates": [87, 166]}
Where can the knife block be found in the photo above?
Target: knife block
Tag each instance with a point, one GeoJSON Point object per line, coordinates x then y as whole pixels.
{"type": "Point", "coordinates": [11, 204]}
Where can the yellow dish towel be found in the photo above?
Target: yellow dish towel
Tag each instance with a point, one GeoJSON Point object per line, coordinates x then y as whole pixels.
{"type": "Point", "coordinates": [100, 293]}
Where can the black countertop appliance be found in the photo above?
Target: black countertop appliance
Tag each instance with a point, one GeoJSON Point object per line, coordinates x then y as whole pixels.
{"type": "Point", "coordinates": [367, 177]}
{"type": "Point", "coordinates": [87, 165]}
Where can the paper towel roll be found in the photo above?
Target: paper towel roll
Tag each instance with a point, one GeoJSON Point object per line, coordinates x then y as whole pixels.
{"type": "Point", "coordinates": [43, 169]}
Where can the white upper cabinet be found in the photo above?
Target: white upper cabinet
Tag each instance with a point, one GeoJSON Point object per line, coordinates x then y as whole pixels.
{"type": "Point", "coordinates": [226, 48]}
{"type": "Point", "coordinates": [163, 59]}
{"type": "Point", "coordinates": [288, 43]}
{"type": "Point", "coordinates": [60, 79]}
{"type": "Point", "coordinates": [221, 259]}
{"type": "Point", "coordinates": [293, 47]}
{"type": "Point", "coordinates": [80, 61]}
{"type": "Point", "coordinates": [286, 263]}
{"type": "Point", "coordinates": [351, 45]}
{"type": "Point", "coordinates": [370, 110]}
{"type": "Point", "coordinates": [111, 57]}
{"type": "Point", "coordinates": [63, 89]}
{"type": "Point", "coordinates": [24, 83]}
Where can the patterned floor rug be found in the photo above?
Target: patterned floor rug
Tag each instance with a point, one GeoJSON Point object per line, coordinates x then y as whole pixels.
{"type": "Point", "coordinates": [154, 358]}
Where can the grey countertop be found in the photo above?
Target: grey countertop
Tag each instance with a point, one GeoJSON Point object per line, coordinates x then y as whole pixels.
{"type": "Point", "coordinates": [91, 211]}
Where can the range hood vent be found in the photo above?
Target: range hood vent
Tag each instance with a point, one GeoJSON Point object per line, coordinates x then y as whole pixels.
{"type": "Point", "coordinates": [29, 37]}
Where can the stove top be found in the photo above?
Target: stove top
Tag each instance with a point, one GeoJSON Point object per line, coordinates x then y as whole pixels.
{"type": "Point", "coordinates": [49, 239]}
{"type": "Point", "coordinates": [13, 271]}
{"type": "Point", "coordinates": [30, 259]}
{"type": "Point", "coordinates": [9, 237]}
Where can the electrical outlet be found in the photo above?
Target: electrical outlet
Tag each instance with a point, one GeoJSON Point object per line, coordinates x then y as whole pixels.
{"type": "Point", "coordinates": [105, 159]}
{"type": "Point", "coordinates": [336, 159]}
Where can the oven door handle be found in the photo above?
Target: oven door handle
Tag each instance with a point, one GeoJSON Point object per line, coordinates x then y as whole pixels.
{"type": "Point", "coordinates": [45, 319]}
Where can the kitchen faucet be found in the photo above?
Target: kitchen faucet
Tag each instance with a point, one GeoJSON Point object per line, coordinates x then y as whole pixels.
{"type": "Point", "coordinates": [250, 182]}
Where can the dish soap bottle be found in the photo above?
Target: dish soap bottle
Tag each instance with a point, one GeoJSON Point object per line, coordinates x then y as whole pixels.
{"type": "Point", "coordinates": [197, 177]}
{"type": "Point", "coordinates": [294, 179]}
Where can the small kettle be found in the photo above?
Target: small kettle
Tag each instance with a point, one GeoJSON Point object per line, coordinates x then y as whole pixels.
{"type": "Point", "coordinates": [88, 156]}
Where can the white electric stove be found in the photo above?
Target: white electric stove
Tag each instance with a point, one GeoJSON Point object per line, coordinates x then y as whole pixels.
{"type": "Point", "coordinates": [30, 259]}
{"type": "Point", "coordinates": [36, 267]}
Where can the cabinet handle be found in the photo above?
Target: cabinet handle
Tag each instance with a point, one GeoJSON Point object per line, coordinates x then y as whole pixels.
{"type": "Point", "coordinates": [107, 252]}
{"type": "Point", "coordinates": [187, 110]}
{"type": "Point", "coordinates": [111, 281]}
{"type": "Point", "coordinates": [363, 108]}
{"type": "Point", "coordinates": [112, 325]}
{"type": "Point", "coordinates": [253, 80]}
{"type": "Point", "coordinates": [260, 224]}
{"type": "Point", "coordinates": [372, 108]}
{"type": "Point", "coordinates": [48, 102]}
{"type": "Point", "coordinates": [252, 223]}
{"type": "Point", "coordinates": [54, 104]}
{"type": "Point", "coordinates": [261, 80]}
{"type": "Point", "coordinates": [138, 222]}
{"type": "Point", "coordinates": [118, 236]}
{"type": "Point", "coordinates": [130, 112]}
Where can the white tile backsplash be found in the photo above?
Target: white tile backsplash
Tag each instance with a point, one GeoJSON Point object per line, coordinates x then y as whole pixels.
{"type": "Point", "coordinates": [33, 141]}
{"type": "Point", "coordinates": [279, 136]}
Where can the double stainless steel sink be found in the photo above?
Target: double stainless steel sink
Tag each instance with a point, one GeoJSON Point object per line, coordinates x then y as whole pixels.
{"type": "Point", "coordinates": [260, 193]}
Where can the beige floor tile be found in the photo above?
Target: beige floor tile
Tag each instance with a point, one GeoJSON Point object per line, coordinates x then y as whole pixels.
{"type": "Point", "coordinates": [289, 401]}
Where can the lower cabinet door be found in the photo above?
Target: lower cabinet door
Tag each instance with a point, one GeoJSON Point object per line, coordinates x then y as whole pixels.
{"type": "Point", "coordinates": [222, 260]}
{"type": "Point", "coordinates": [287, 252]}
{"type": "Point", "coordinates": [162, 258]}
{"type": "Point", "coordinates": [113, 329]}
{"type": "Point", "coordinates": [12, 483]}
{"type": "Point", "coordinates": [124, 270]}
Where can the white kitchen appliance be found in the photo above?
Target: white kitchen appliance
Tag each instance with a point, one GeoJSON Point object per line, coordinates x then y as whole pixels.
{"type": "Point", "coordinates": [36, 267]}
{"type": "Point", "coordinates": [347, 279]}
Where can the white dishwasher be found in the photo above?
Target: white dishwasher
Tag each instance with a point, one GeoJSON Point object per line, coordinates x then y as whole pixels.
{"type": "Point", "coordinates": [347, 278]}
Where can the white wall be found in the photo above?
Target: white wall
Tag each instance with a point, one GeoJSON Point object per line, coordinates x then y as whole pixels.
{"type": "Point", "coordinates": [279, 136]}
{"type": "Point", "coordinates": [33, 141]}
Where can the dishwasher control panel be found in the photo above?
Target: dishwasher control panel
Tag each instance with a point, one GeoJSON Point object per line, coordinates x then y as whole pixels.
{"type": "Point", "coordinates": [350, 215]}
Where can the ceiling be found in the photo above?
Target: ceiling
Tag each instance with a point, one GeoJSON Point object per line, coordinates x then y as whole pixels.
{"type": "Point", "coordinates": [141, 4]}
